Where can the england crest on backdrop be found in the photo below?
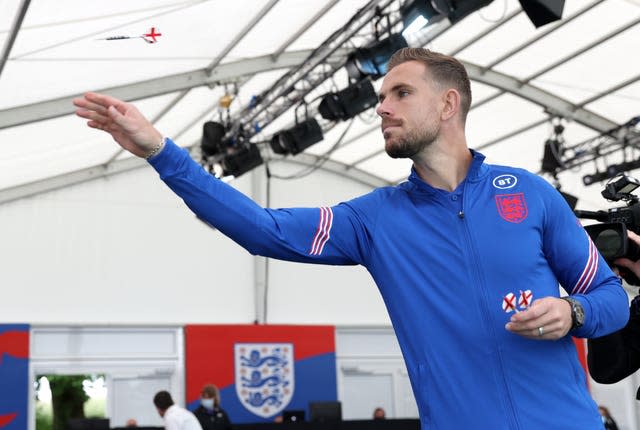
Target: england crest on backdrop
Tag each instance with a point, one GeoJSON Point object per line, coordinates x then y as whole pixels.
{"type": "Point", "coordinates": [264, 376]}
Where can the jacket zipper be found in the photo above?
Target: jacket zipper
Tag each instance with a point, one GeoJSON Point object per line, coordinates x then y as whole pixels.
{"type": "Point", "coordinates": [483, 290]}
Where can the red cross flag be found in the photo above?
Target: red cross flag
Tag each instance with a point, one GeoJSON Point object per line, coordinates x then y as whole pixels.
{"type": "Point", "coordinates": [525, 298]}
{"type": "Point", "coordinates": [509, 303]}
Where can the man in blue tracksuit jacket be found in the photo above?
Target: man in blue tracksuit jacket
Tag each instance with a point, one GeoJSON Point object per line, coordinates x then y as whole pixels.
{"type": "Point", "coordinates": [467, 256]}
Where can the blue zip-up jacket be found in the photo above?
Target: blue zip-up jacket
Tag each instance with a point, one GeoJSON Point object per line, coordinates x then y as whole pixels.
{"type": "Point", "coordinates": [449, 266]}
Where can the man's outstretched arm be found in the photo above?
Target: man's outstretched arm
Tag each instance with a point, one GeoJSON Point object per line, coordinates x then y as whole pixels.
{"type": "Point", "coordinates": [326, 235]}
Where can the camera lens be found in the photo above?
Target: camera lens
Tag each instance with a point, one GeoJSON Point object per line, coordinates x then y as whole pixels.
{"type": "Point", "coordinates": [609, 243]}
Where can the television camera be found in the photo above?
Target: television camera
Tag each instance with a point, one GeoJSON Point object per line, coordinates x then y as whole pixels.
{"type": "Point", "coordinates": [610, 235]}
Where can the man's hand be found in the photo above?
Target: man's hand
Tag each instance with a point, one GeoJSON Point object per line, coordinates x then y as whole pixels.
{"type": "Point", "coordinates": [121, 120]}
{"type": "Point", "coordinates": [633, 266]}
{"type": "Point", "coordinates": [548, 318]}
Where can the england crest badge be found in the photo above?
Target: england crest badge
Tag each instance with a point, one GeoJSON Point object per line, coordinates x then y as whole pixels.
{"type": "Point", "coordinates": [512, 207]}
{"type": "Point", "coordinates": [264, 376]}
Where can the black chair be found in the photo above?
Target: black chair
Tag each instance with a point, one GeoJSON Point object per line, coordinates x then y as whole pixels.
{"type": "Point", "coordinates": [326, 412]}
{"type": "Point", "coordinates": [88, 424]}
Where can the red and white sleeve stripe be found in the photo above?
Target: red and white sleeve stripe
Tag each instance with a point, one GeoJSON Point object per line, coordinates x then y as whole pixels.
{"type": "Point", "coordinates": [589, 272]}
{"type": "Point", "coordinates": [322, 234]}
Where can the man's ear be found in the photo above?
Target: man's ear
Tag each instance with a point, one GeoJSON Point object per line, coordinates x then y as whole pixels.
{"type": "Point", "coordinates": [451, 100]}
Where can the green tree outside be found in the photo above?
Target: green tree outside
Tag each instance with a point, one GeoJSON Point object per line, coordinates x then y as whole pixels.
{"type": "Point", "coordinates": [68, 400]}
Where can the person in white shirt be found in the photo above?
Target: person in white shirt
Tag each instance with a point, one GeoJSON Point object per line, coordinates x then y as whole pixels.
{"type": "Point", "coordinates": [175, 417]}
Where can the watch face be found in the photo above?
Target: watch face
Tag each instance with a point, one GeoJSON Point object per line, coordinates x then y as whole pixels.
{"type": "Point", "coordinates": [579, 312]}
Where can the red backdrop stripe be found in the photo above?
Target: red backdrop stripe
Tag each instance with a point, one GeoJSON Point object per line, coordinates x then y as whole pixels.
{"type": "Point", "coordinates": [582, 355]}
{"type": "Point", "coordinates": [14, 343]}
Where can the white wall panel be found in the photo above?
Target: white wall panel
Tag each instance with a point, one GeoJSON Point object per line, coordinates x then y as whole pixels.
{"type": "Point", "coordinates": [118, 250]}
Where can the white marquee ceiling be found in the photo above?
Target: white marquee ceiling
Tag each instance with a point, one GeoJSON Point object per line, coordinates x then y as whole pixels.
{"type": "Point", "coordinates": [584, 68]}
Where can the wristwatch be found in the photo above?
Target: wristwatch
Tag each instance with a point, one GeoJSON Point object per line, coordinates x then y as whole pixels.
{"type": "Point", "coordinates": [577, 312]}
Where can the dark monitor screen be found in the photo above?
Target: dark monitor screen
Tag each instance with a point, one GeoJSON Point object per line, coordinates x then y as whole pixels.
{"type": "Point", "coordinates": [325, 411]}
{"type": "Point", "coordinates": [88, 424]}
{"type": "Point", "coordinates": [293, 416]}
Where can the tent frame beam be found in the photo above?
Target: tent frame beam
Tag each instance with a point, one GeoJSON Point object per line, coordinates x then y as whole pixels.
{"type": "Point", "coordinates": [13, 33]}
{"type": "Point", "coordinates": [227, 72]}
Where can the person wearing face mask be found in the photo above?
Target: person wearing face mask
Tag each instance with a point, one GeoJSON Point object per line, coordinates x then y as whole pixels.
{"type": "Point", "coordinates": [209, 413]}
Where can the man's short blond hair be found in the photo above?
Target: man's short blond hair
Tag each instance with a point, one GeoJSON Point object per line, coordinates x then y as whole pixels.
{"type": "Point", "coordinates": [446, 72]}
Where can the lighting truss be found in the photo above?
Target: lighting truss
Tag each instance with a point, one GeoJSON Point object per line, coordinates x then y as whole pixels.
{"type": "Point", "coordinates": [616, 140]}
{"type": "Point", "coordinates": [322, 64]}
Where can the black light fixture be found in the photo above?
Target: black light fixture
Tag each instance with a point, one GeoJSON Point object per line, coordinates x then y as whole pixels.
{"type": "Point", "coordinates": [372, 60]}
{"type": "Point", "coordinates": [212, 138]}
{"type": "Point", "coordinates": [347, 103]}
{"type": "Point", "coordinates": [626, 166]}
{"type": "Point", "coordinates": [542, 12]}
{"type": "Point", "coordinates": [455, 10]}
{"type": "Point", "coordinates": [592, 178]}
{"type": "Point", "coordinates": [241, 159]}
{"type": "Point", "coordinates": [595, 177]}
{"type": "Point", "coordinates": [611, 171]}
{"type": "Point", "coordinates": [297, 138]}
{"type": "Point", "coordinates": [417, 14]}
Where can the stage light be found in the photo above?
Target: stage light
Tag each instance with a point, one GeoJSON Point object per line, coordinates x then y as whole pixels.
{"type": "Point", "coordinates": [240, 160]}
{"type": "Point", "coordinates": [212, 139]}
{"type": "Point", "coordinates": [614, 170]}
{"type": "Point", "coordinates": [455, 10]}
{"type": "Point", "coordinates": [349, 102]}
{"type": "Point", "coordinates": [298, 138]}
{"type": "Point", "coordinates": [611, 171]}
{"type": "Point", "coordinates": [542, 12]}
{"type": "Point", "coordinates": [416, 14]}
{"type": "Point", "coordinates": [373, 60]}
{"type": "Point", "coordinates": [595, 177]}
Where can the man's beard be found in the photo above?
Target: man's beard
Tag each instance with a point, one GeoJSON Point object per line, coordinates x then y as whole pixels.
{"type": "Point", "coordinates": [412, 143]}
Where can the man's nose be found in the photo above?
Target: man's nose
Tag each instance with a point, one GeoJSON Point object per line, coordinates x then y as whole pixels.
{"type": "Point", "coordinates": [382, 109]}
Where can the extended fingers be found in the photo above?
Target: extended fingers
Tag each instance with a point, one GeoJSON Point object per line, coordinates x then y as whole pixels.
{"type": "Point", "coordinates": [104, 100]}
{"type": "Point", "coordinates": [537, 309]}
{"type": "Point", "coordinates": [529, 326]}
{"type": "Point", "coordinates": [87, 105]}
{"type": "Point", "coordinates": [92, 111]}
{"type": "Point", "coordinates": [105, 126]}
{"type": "Point", "coordinates": [94, 116]}
{"type": "Point", "coordinates": [98, 103]}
